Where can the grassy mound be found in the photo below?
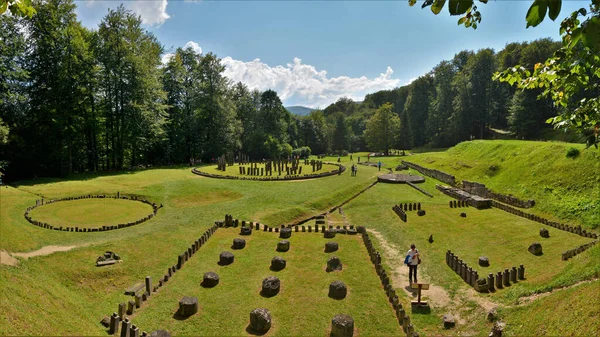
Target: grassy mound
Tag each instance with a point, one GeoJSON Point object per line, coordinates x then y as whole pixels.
{"type": "Point", "coordinates": [302, 307]}
{"type": "Point", "coordinates": [568, 188]}
{"type": "Point", "coordinates": [91, 213]}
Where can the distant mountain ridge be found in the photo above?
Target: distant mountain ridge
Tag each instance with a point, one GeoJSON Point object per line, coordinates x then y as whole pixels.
{"type": "Point", "coordinates": [299, 110]}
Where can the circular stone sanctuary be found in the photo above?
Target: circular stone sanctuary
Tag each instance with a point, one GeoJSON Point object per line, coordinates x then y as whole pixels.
{"type": "Point", "coordinates": [293, 169]}
{"type": "Point", "coordinates": [400, 178]}
{"type": "Point", "coordinates": [90, 213]}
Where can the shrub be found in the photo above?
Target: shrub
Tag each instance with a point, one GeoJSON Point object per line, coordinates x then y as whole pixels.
{"type": "Point", "coordinates": [572, 152]}
{"type": "Point", "coordinates": [303, 152]}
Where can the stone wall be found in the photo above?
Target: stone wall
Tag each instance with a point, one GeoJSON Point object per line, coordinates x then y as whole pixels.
{"type": "Point", "coordinates": [473, 200]}
{"type": "Point", "coordinates": [439, 175]}
{"type": "Point", "coordinates": [572, 229]}
{"type": "Point", "coordinates": [42, 202]}
{"type": "Point", "coordinates": [484, 284]}
{"type": "Point", "coordinates": [482, 191]}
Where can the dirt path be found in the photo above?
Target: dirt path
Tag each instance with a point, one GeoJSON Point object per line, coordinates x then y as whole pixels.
{"type": "Point", "coordinates": [46, 250]}
{"type": "Point", "coordinates": [9, 259]}
{"type": "Point", "coordinates": [5, 258]}
{"type": "Point", "coordinates": [436, 295]}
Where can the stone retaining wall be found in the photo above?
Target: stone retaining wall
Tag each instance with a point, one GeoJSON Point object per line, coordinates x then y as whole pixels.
{"type": "Point", "coordinates": [473, 200]}
{"type": "Point", "coordinates": [439, 175]}
{"type": "Point", "coordinates": [484, 284]}
{"type": "Point", "coordinates": [97, 229]}
{"type": "Point", "coordinates": [482, 191]}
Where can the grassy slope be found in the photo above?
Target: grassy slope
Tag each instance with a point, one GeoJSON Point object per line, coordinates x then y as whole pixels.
{"type": "Point", "coordinates": [563, 187]}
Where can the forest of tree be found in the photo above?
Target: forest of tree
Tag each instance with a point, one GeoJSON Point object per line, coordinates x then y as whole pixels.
{"type": "Point", "coordinates": [75, 100]}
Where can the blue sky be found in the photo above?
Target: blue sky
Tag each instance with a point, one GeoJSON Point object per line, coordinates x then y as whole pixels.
{"type": "Point", "coordinates": [314, 52]}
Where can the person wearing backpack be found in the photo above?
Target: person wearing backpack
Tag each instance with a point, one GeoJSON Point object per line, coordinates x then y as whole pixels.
{"type": "Point", "coordinates": [412, 260]}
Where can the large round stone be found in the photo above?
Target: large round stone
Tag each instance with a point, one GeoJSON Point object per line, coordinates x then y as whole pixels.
{"type": "Point", "coordinates": [329, 234]}
{"type": "Point", "coordinates": [342, 326]}
{"type": "Point", "coordinates": [246, 230]}
{"type": "Point", "coordinates": [277, 263]}
{"type": "Point", "coordinates": [270, 286]}
{"type": "Point", "coordinates": [188, 306]}
{"type": "Point", "coordinates": [337, 290]}
{"type": "Point", "coordinates": [463, 214]}
{"type": "Point", "coordinates": [210, 279]}
{"type": "Point", "coordinates": [535, 248]}
{"type": "Point", "coordinates": [283, 246]}
{"type": "Point", "coordinates": [331, 246]}
{"type": "Point", "coordinates": [484, 261]}
{"type": "Point", "coordinates": [238, 243]}
{"type": "Point", "coordinates": [260, 320]}
{"type": "Point", "coordinates": [544, 233]}
{"type": "Point", "coordinates": [285, 233]}
{"type": "Point", "coordinates": [225, 258]}
{"type": "Point", "coordinates": [334, 263]}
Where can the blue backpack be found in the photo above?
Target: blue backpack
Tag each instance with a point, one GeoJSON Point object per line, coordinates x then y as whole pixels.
{"type": "Point", "coordinates": [407, 259]}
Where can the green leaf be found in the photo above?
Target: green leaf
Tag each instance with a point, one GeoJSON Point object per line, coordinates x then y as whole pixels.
{"type": "Point", "coordinates": [458, 7]}
{"type": "Point", "coordinates": [554, 6]}
{"type": "Point", "coordinates": [412, 2]}
{"type": "Point", "coordinates": [3, 7]}
{"type": "Point", "coordinates": [426, 3]}
{"type": "Point", "coordinates": [462, 20]}
{"type": "Point", "coordinates": [590, 34]}
{"type": "Point", "coordinates": [536, 13]}
{"type": "Point", "coordinates": [437, 6]}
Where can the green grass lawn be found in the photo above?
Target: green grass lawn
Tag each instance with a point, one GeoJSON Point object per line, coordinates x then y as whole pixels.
{"type": "Point", "coordinates": [302, 306]}
{"type": "Point", "coordinates": [91, 213]}
{"type": "Point", "coordinates": [66, 294]}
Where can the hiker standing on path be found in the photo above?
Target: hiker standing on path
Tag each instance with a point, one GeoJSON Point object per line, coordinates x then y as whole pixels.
{"type": "Point", "coordinates": [412, 260]}
{"type": "Point", "coordinates": [379, 165]}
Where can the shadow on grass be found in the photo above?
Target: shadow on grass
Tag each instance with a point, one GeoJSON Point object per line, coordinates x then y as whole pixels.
{"type": "Point", "coordinates": [412, 291]}
{"type": "Point", "coordinates": [253, 332]}
{"type": "Point", "coordinates": [88, 175]}
{"type": "Point", "coordinates": [420, 310]}
{"type": "Point", "coordinates": [180, 317]}
{"type": "Point", "coordinates": [268, 295]}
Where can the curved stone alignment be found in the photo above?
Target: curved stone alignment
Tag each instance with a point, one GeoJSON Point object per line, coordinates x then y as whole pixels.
{"type": "Point", "coordinates": [97, 229]}
{"type": "Point", "coordinates": [400, 178]}
{"type": "Point", "coordinates": [339, 169]}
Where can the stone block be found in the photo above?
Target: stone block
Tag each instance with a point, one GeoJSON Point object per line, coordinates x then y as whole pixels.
{"type": "Point", "coordinates": [338, 290]}
{"type": "Point", "coordinates": [187, 306]}
{"type": "Point", "coordinates": [342, 326]}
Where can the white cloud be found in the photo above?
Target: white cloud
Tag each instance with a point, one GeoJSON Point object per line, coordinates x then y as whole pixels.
{"type": "Point", "coordinates": [152, 12]}
{"type": "Point", "coordinates": [300, 84]}
{"type": "Point", "coordinates": [196, 47]}
{"type": "Point", "coordinates": [303, 84]}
